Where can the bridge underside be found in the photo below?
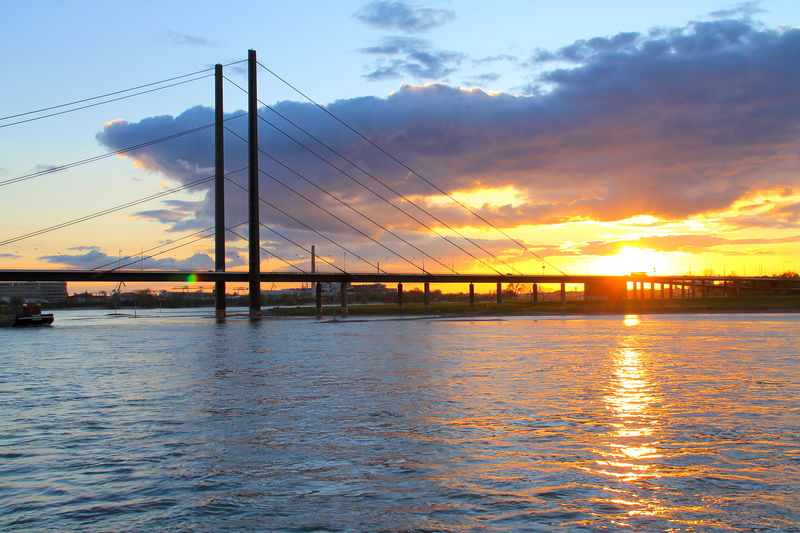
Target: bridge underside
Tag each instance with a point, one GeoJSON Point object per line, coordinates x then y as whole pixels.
{"type": "Point", "coordinates": [274, 277]}
{"type": "Point", "coordinates": [606, 282]}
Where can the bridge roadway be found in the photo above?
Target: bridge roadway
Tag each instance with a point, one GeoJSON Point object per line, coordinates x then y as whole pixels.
{"type": "Point", "coordinates": [337, 277]}
{"type": "Point", "coordinates": [275, 277]}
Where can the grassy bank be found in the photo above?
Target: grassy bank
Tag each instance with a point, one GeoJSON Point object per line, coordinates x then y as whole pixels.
{"type": "Point", "coordinates": [629, 307]}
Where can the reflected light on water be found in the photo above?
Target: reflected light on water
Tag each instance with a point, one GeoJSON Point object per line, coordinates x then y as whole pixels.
{"type": "Point", "coordinates": [630, 452]}
{"type": "Point", "coordinates": [631, 320]}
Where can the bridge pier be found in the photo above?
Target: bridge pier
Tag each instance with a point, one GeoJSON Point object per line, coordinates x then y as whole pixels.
{"type": "Point", "coordinates": [343, 296]}
{"type": "Point", "coordinates": [318, 291]}
{"type": "Point", "coordinates": [400, 295]}
{"type": "Point", "coordinates": [563, 293]}
{"type": "Point", "coordinates": [535, 292]}
{"type": "Point", "coordinates": [472, 295]}
{"type": "Point", "coordinates": [499, 293]}
{"type": "Point", "coordinates": [426, 298]}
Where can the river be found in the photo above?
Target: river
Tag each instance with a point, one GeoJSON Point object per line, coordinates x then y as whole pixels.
{"type": "Point", "coordinates": [172, 422]}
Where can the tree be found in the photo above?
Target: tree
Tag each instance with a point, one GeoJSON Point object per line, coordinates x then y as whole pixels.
{"type": "Point", "coordinates": [515, 288]}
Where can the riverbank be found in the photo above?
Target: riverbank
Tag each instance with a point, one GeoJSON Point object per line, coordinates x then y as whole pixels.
{"type": "Point", "coordinates": [629, 307]}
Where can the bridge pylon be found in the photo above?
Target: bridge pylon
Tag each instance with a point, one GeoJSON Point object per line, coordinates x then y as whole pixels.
{"type": "Point", "coordinates": [254, 277]}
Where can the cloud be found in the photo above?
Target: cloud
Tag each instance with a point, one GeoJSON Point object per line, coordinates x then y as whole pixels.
{"type": "Point", "coordinates": [185, 39]}
{"type": "Point", "coordinates": [413, 57]}
{"type": "Point", "coordinates": [689, 244]}
{"type": "Point", "coordinates": [674, 123]}
{"type": "Point", "coordinates": [10, 256]}
{"type": "Point", "coordinates": [94, 258]}
{"type": "Point", "coordinates": [787, 216]}
{"type": "Point", "coordinates": [582, 50]}
{"type": "Point", "coordinates": [180, 214]}
{"type": "Point", "coordinates": [399, 15]}
{"type": "Point", "coordinates": [742, 9]}
{"type": "Point", "coordinates": [496, 58]}
{"type": "Point", "coordinates": [481, 80]}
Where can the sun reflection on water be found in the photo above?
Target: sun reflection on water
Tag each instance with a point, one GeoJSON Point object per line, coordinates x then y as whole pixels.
{"type": "Point", "coordinates": [631, 320]}
{"type": "Point", "coordinates": [630, 451]}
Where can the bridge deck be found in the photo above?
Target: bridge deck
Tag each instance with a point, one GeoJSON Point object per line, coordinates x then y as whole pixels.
{"type": "Point", "coordinates": [352, 277]}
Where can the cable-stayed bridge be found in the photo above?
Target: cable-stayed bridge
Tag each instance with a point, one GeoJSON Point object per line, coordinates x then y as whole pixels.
{"type": "Point", "coordinates": [498, 270]}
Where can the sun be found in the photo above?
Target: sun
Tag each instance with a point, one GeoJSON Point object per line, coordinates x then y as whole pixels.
{"type": "Point", "coordinates": [630, 259]}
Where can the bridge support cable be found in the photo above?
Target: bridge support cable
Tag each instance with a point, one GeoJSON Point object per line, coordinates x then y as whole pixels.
{"type": "Point", "coordinates": [254, 240]}
{"type": "Point", "coordinates": [279, 258]}
{"type": "Point", "coordinates": [111, 154]}
{"type": "Point", "coordinates": [56, 113]}
{"type": "Point", "coordinates": [381, 182]}
{"type": "Point", "coordinates": [127, 257]}
{"type": "Point", "coordinates": [345, 204]}
{"type": "Point", "coordinates": [388, 187]}
{"type": "Point", "coordinates": [164, 84]}
{"type": "Point", "coordinates": [359, 213]}
{"type": "Point", "coordinates": [289, 240]}
{"type": "Point", "coordinates": [162, 252]}
{"type": "Point", "coordinates": [111, 210]}
{"type": "Point", "coordinates": [312, 251]}
{"type": "Point", "coordinates": [340, 219]}
{"type": "Point", "coordinates": [219, 191]}
{"type": "Point", "coordinates": [389, 202]}
{"type": "Point", "coordinates": [295, 219]}
{"type": "Point", "coordinates": [411, 170]}
{"type": "Point", "coordinates": [129, 89]}
{"type": "Point", "coordinates": [210, 229]}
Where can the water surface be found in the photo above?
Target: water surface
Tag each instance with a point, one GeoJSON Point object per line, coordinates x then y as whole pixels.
{"type": "Point", "coordinates": [173, 422]}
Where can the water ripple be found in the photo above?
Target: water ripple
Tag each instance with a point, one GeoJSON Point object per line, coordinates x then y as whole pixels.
{"type": "Point", "coordinates": [515, 425]}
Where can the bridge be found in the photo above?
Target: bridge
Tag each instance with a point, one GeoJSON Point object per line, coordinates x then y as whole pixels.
{"type": "Point", "coordinates": [594, 287]}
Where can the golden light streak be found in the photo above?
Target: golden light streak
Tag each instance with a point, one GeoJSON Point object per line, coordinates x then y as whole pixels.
{"type": "Point", "coordinates": [632, 448]}
{"type": "Point", "coordinates": [480, 197]}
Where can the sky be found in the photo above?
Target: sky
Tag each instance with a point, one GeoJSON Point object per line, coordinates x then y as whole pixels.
{"type": "Point", "coordinates": [604, 138]}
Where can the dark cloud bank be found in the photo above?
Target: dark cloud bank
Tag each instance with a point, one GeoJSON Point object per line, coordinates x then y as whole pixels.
{"type": "Point", "coordinates": [673, 123]}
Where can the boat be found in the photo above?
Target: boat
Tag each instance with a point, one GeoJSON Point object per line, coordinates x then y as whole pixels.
{"type": "Point", "coordinates": [25, 315]}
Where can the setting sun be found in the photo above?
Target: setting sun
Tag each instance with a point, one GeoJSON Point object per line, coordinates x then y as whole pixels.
{"type": "Point", "coordinates": [631, 259]}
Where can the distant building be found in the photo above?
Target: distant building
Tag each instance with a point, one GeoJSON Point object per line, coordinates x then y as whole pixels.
{"type": "Point", "coordinates": [35, 291]}
{"type": "Point", "coordinates": [372, 289]}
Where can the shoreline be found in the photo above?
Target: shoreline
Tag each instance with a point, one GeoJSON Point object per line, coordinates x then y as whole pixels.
{"type": "Point", "coordinates": [747, 305]}
{"type": "Point", "coordinates": [632, 307]}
